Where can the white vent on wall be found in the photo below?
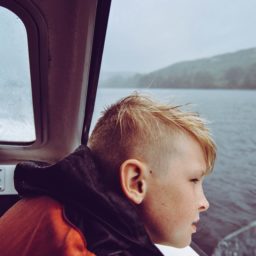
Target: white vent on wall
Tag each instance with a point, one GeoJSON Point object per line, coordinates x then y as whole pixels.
{"type": "Point", "coordinates": [6, 180]}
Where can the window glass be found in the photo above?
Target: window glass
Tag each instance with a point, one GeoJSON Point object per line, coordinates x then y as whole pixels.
{"type": "Point", "coordinates": [16, 107]}
{"type": "Point", "coordinates": [201, 52]}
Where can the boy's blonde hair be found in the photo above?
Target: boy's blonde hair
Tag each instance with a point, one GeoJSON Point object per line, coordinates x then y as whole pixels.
{"type": "Point", "coordinates": [138, 127]}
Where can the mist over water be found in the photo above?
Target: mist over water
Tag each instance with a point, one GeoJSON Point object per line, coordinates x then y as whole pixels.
{"type": "Point", "coordinates": [231, 188]}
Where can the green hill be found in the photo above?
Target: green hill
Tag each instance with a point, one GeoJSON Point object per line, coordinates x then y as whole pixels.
{"type": "Point", "coordinates": [227, 71]}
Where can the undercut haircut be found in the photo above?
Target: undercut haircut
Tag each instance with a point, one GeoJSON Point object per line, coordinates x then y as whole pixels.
{"type": "Point", "coordinates": [139, 127]}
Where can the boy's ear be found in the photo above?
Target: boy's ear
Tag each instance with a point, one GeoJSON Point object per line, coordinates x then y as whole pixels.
{"type": "Point", "coordinates": [133, 180]}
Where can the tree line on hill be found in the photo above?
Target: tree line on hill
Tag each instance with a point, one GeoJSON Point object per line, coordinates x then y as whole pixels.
{"type": "Point", "coordinates": [227, 71]}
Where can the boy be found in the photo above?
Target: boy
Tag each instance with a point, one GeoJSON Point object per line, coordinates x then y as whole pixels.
{"type": "Point", "coordinates": [139, 182]}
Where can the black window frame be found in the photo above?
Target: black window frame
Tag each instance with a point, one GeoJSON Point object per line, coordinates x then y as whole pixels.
{"type": "Point", "coordinates": [101, 22]}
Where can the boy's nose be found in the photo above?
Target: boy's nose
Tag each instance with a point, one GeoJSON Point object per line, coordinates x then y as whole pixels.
{"type": "Point", "coordinates": [203, 204]}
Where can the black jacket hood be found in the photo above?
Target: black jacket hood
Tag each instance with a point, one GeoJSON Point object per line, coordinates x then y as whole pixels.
{"type": "Point", "coordinates": [107, 219]}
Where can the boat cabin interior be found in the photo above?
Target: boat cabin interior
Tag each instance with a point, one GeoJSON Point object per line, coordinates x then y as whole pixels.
{"type": "Point", "coordinates": [48, 91]}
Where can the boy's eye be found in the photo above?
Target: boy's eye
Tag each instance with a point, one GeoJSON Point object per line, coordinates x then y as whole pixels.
{"type": "Point", "coordinates": [194, 180]}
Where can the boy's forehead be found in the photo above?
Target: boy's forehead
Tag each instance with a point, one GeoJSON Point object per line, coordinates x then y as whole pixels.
{"type": "Point", "coordinates": [160, 152]}
{"type": "Point", "coordinates": [182, 147]}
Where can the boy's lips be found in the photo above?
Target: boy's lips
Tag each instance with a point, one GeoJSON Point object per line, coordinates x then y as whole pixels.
{"type": "Point", "coordinates": [195, 222]}
{"type": "Point", "coordinates": [194, 225]}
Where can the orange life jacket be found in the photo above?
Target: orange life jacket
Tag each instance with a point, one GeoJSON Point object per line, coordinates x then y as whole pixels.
{"type": "Point", "coordinates": [37, 226]}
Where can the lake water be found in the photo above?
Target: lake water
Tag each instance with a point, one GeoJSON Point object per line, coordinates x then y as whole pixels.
{"type": "Point", "coordinates": [231, 188]}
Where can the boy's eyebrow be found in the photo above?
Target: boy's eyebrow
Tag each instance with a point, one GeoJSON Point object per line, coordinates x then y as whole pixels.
{"type": "Point", "coordinates": [202, 172]}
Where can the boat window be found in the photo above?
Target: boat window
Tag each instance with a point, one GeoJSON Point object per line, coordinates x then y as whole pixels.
{"type": "Point", "coordinates": [16, 107]}
{"type": "Point", "coordinates": [201, 52]}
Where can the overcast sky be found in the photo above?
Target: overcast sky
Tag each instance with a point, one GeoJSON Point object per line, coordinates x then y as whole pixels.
{"type": "Point", "coordinates": [145, 35]}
